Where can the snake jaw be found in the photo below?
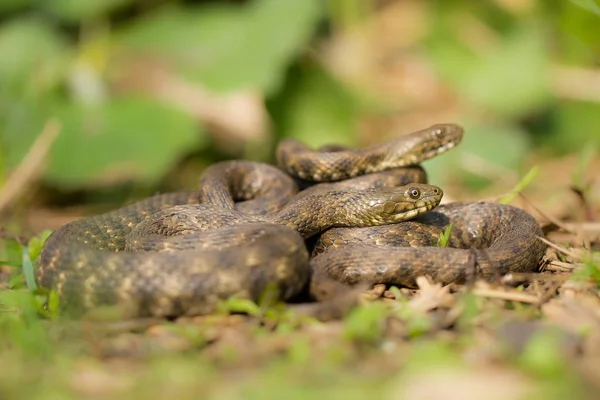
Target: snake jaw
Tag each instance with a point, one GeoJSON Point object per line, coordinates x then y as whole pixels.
{"type": "Point", "coordinates": [434, 151]}
{"type": "Point", "coordinates": [410, 214]}
{"type": "Point", "coordinates": [406, 215]}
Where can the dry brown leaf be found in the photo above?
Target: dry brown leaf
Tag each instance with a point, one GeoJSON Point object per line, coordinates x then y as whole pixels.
{"type": "Point", "coordinates": [430, 295]}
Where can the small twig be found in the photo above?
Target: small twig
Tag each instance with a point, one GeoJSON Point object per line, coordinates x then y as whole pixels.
{"type": "Point", "coordinates": [27, 171]}
{"type": "Point", "coordinates": [564, 265]}
{"type": "Point", "coordinates": [550, 218]}
{"type": "Point", "coordinates": [512, 296]}
{"type": "Point", "coordinates": [556, 266]}
{"type": "Point", "coordinates": [560, 248]}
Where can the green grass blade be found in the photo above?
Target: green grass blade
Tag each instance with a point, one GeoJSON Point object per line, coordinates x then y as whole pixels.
{"type": "Point", "coordinates": [10, 263]}
{"type": "Point", "coordinates": [526, 180]}
{"type": "Point", "coordinates": [27, 266]}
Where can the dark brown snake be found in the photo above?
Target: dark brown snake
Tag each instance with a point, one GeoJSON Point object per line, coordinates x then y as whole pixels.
{"type": "Point", "coordinates": [182, 253]}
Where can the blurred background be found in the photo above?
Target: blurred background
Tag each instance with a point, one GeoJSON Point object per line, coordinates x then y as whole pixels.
{"type": "Point", "coordinates": [103, 102]}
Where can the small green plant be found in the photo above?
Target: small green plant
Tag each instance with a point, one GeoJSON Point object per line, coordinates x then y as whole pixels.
{"type": "Point", "coordinates": [25, 303]}
{"type": "Point", "coordinates": [445, 236]}
{"type": "Point", "coordinates": [12, 250]}
{"type": "Point", "coordinates": [267, 305]}
{"type": "Point", "coordinates": [588, 272]}
{"type": "Point", "coordinates": [239, 305]}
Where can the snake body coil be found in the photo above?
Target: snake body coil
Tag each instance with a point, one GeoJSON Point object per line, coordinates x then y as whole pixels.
{"type": "Point", "coordinates": [487, 240]}
{"type": "Point", "coordinates": [181, 253]}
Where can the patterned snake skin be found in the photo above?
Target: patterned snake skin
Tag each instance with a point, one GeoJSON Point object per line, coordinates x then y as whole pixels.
{"type": "Point", "coordinates": [240, 234]}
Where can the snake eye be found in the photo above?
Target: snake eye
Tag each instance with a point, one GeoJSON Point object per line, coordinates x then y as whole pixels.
{"type": "Point", "coordinates": [439, 133]}
{"type": "Point", "coordinates": [414, 193]}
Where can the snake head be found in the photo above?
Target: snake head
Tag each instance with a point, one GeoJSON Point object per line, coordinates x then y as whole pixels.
{"type": "Point", "coordinates": [442, 137]}
{"type": "Point", "coordinates": [422, 145]}
{"type": "Point", "coordinates": [391, 205]}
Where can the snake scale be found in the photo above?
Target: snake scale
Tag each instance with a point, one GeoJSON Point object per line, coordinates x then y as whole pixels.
{"type": "Point", "coordinates": [245, 231]}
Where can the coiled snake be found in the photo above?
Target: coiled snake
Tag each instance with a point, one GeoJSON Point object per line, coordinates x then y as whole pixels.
{"type": "Point", "coordinates": [239, 234]}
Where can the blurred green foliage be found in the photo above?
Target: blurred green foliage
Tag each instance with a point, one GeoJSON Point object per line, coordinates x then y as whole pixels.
{"type": "Point", "coordinates": [45, 72]}
{"type": "Point", "coordinates": [73, 61]}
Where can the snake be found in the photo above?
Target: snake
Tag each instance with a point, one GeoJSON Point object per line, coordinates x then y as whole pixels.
{"type": "Point", "coordinates": [248, 229]}
{"type": "Point", "coordinates": [487, 240]}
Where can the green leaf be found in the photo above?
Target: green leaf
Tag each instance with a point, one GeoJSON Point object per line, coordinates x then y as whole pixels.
{"type": "Point", "coordinates": [487, 151]}
{"type": "Point", "coordinates": [510, 78]}
{"type": "Point", "coordinates": [315, 109]}
{"type": "Point", "coordinates": [227, 47]}
{"type": "Point", "coordinates": [13, 5]}
{"type": "Point", "coordinates": [35, 243]}
{"type": "Point", "coordinates": [33, 53]}
{"type": "Point", "coordinates": [10, 252]}
{"type": "Point", "coordinates": [578, 23]}
{"type": "Point", "coordinates": [23, 119]}
{"type": "Point", "coordinates": [589, 5]}
{"type": "Point", "coordinates": [513, 81]}
{"type": "Point", "coordinates": [576, 124]}
{"type": "Point", "coordinates": [75, 10]}
{"type": "Point", "coordinates": [126, 138]}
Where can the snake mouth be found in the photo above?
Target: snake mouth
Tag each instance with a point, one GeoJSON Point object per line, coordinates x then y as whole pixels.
{"type": "Point", "coordinates": [415, 212]}
{"type": "Point", "coordinates": [434, 151]}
